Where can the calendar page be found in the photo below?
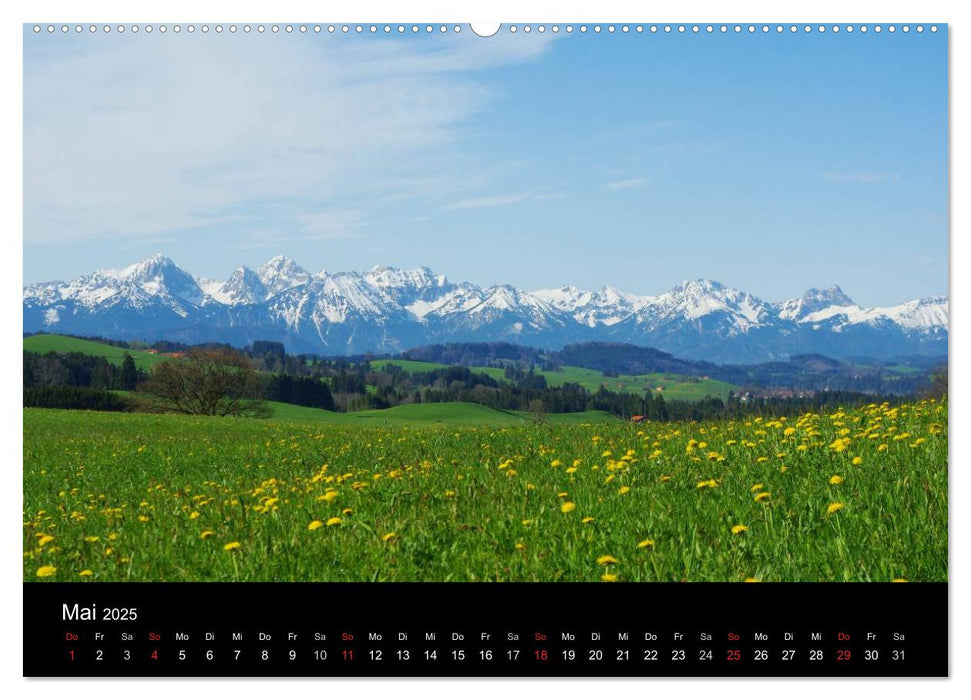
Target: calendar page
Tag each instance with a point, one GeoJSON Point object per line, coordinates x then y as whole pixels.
{"type": "Point", "coordinates": [437, 349]}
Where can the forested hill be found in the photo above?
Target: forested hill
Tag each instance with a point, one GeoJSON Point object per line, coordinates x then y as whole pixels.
{"type": "Point", "coordinates": [906, 375]}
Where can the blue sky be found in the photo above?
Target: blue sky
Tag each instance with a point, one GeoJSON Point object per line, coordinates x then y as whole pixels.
{"type": "Point", "coordinates": [768, 162]}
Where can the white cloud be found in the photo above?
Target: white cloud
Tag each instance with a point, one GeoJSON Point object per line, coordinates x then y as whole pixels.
{"type": "Point", "coordinates": [500, 200]}
{"type": "Point", "coordinates": [628, 184]}
{"type": "Point", "coordinates": [329, 225]}
{"type": "Point", "coordinates": [134, 136]}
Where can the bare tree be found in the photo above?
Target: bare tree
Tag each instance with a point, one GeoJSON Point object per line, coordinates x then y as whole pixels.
{"type": "Point", "coordinates": [207, 381]}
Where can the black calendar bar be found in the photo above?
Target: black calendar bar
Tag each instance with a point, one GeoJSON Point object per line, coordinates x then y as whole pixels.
{"type": "Point", "coordinates": [563, 629]}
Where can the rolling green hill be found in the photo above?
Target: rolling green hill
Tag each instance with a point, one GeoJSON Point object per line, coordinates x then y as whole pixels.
{"type": "Point", "coordinates": [673, 386]}
{"type": "Point", "coordinates": [431, 413]}
{"type": "Point", "coordinates": [61, 343]}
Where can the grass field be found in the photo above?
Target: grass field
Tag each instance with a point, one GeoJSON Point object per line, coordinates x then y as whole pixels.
{"type": "Point", "coordinates": [61, 343]}
{"type": "Point", "coordinates": [855, 495]}
{"type": "Point", "coordinates": [673, 386]}
{"type": "Point", "coordinates": [457, 413]}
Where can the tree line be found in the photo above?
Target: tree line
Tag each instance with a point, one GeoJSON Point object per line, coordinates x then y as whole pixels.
{"type": "Point", "coordinates": [220, 380]}
{"type": "Point", "coordinates": [211, 380]}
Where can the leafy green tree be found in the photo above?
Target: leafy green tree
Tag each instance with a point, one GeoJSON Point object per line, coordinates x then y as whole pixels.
{"type": "Point", "coordinates": [129, 373]}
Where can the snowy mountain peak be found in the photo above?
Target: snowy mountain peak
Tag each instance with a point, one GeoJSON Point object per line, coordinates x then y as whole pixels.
{"type": "Point", "coordinates": [694, 299]}
{"type": "Point", "coordinates": [281, 273]}
{"type": "Point", "coordinates": [391, 309]}
{"type": "Point", "coordinates": [244, 286]}
{"type": "Point", "coordinates": [149, 268]}
{"type": "Point", "coordinates": [817, 301]}
{"type": "Point", "coordinates": [567, 298]}
{"type": "Point", "coordinates": [820, 298]}
{"type": "Point", "coordinates": [393, 277]}
{"type": "Point", "coordinates": [698, 286]}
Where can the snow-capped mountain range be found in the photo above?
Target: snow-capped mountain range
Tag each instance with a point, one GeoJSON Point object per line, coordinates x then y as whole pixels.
{"type": "Point", "coordinates": [389, 310]}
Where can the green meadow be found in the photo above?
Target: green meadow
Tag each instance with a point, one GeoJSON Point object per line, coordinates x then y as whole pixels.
{"type": "Point", "coordinates": [444, 492]}
{"type": "Point", "coordinates": [46, 343]}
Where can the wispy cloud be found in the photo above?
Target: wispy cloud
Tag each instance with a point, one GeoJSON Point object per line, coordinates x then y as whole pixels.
{"type": "Point", "coordinates": [501, 200]}
{"type": "Point", "coordinates": [862, 178]}
{"type": "Point", "coordinates": [136, 136]}
{"type": "Point", "coordinates": [330, 225]}
{"type": "Point", "coordinates": [628, 184]}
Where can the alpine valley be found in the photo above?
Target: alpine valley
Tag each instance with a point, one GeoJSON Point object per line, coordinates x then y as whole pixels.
{"type": "Point", "coordinates": [388, 310]}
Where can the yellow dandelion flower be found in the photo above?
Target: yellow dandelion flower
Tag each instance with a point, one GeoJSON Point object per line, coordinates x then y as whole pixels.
{"type": "Point", "coordinates": [899, 580]}
{"type": "Point", "coordinates": [567, 507]}
{"type": "Point", "coordinates": [607, 559]}
{"type": "Point", "coordinates": [756, 487]}
{"type": "Point", "coordinates": [857, 460]}
{"type": "Point", "coordinates": [835, 479]}
{"type": "Point", "coordinates": [586, 520]}
{"type": "Point", "coordinates": [609, 578]}
{"type": "Point", "coordinates": [556, 463]}
{"type": "Point", "coordinates": [232, 546]}
{"type": "Point", "coordinates": [347, 511]}
{"type": "Point", "coordinates": [739, 529]}
{"type": "Point", "coordinates": [44, 540]}
{"type": "Point", "coordinates": [623, 489]}
{"type": "Point", "coordinates": [206, 534]}
{"type": "Point", "coordinates": [449, 494]}
{"type": "Point", "coordinates": [840, 444]}
{"type": "Point", "coordinates": [333, 521]}
{"type": "Point", "coordinates": [527, 523]}
{"type": "Point", "coordinates": [665, 477]}
{"type": "Point", "coordinates": [571, 470]}
{"type": "Point", "coordinates": [86, 573]}
{"type": "Point", "coordinates": [91, 538]}
{"type": "Point", "coordinates": [751, 579]}
{"type": "Point", "coordinates": [143, 518]}
{"type": "Point", "coordinates": [763, 496]}
{"type": "Point", "coordinates": [388, 536]}
{"type": "Point", "coordinates": [562, 494]}
{"type": "Point", "coordinates": [520, 546]}
{"type": "Point", "coordinates": [193, 515]}
{"type": "Point", "coordinates": [314, 524]}
{"type": "Point", "coordinates": [833, 507]}
{"type": "Point", "coordinates": [45, 571]}
{"type": "Point", "coordinates": [645, 544]}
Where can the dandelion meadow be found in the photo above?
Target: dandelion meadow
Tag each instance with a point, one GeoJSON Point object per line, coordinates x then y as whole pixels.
{"type": "Point", "coordinates": [853, 495]}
